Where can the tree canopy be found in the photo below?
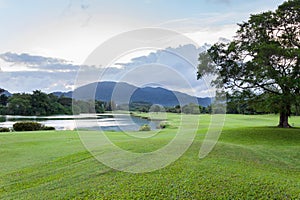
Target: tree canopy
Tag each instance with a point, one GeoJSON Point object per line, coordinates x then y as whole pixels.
{"type": "Point", "coordinates": [41, 104]}
{"type": "Point", "coordinates": [262, 61]}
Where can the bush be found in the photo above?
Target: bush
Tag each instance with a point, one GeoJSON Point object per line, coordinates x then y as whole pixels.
{"type": "Point", "coordinates": [145, 127]}
{"type": "Point", "coordinates": [48, 128]}
{"type": "Point", "coordinates": [27, 126]}
{"type": "Point", "coordinates": [163, 125]}
{"type": "Point", "coordinates": [30, 126]}
{"type": "Point", "coordinates": [3, 129]}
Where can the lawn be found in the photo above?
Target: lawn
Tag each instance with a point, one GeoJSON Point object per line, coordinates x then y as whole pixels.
{"type": "Point", "coordinates": [252, 160]}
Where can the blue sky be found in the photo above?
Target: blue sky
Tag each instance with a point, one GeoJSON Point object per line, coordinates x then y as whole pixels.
{"type": "Point", "coordinates": [54, 27]}
{"type": "Point", "coordinates": [72, 29]}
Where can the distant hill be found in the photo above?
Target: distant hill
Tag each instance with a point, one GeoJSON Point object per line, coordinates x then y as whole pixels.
{"type": "Point", "coordinates": [156, 95]}
{"type": "Point", "coordinates": [6, 93]}
{"type": "Point", "coordinates": [66, 94]}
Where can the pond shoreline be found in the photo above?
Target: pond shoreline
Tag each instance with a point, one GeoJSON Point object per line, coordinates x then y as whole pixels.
{"type": "Point", "coordinates": [101, 121]}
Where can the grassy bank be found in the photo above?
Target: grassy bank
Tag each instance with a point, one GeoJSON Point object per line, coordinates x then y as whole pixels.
{"type": "Point", "coordinates": [251, 160]}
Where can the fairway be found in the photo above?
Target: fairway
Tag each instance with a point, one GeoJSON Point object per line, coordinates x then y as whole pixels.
{"type": "Point", "coordinates": [252, 160]}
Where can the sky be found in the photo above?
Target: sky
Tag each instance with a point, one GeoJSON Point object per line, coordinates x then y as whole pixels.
{"type": "Point", "coordinates": [45, 43]}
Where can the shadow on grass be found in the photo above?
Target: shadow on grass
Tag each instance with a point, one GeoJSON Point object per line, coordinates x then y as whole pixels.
{"type": "Point", "coordinates": [293, 127]}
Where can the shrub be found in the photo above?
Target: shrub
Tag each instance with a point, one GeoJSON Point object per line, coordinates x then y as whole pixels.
{"type": "Point", "coordinates": [48, 128]}
{"type": "Point", "coordinates": [163, 125]}
{"type": "Point", "coordinates": [3, 129]}
{"type": "Point", "coordinates": [145, 127]}
{"type": "Point", "coordinates": [27, 126]}
{"type": "Point", "coordinates": [31, 126]}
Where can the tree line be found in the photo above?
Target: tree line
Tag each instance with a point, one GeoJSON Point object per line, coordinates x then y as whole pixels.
{"type": "Point", "coordinates": [41, 104]}
{"type": "Point", "coordinates": [191, 108]}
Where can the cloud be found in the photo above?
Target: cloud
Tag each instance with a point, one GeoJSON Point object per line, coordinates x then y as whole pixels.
{"type": "Point", "coordinates": [29, 59]}
{"type": "Point", "coordinates": [171, 68]}
{"type": "Point", "coordinates": [206, 27]}
{"type": "Point", "coordinates": [29, 81]}
{"type": "Point", "coordinates": [25, 73]}
{"type": "Point", "coordinates": [212, 35]}
{"type": "Point", "coordinates": [27, 62]}
{"type": "Point", "coordinates": [72, 5]}
{"type": "Point", "coordinates": [79, 8]}
{"type": "Point", "coordinates": [84, 5]}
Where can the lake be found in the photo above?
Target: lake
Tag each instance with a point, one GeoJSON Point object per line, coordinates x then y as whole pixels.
{"type": "Point", "coordinates": [107, 122]}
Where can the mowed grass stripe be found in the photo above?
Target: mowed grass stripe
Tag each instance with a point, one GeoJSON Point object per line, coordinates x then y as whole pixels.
{"type": "Point", "coordinates": [252, 160]}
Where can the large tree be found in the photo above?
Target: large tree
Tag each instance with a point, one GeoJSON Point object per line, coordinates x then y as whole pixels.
{"type": "Point", "coordinates": [262, 60]}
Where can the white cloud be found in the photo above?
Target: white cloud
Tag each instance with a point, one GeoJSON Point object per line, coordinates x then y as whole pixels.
{"type": "Point", "coordinates": [212, 35]}
{"type": "Point", "coordinates": [25, 73]}
{"type": "Point", "coordinates": [82, 25]}
{"type": "Point", "coordinates": [172, 68]}
{"type": "Point", "coordinates": [72, 36]}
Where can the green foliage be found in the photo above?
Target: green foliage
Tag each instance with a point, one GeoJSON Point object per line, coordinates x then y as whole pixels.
{"type": "Point", "coordinates": [42, 104]}
{"type": "Point", "coordinates": [48, 128]}
{"type": "Point", "coordinates": [262, 61]}
{"type": "Point", "coordinates": [3, 110]}
{"type": "Point", "coordinates": [65, 101]}
{"type": "Point", "coordinates": [30, 126]}
{"type": "Point", "coordinates": [88, 106]}
{"type": "Point", "coordinates": [191, 109]}
{"type": "Point", "coordinates": [175, 109]}
{"type": "Point", "coordinates": [3, 99]}
{"type": "Point", "coordinates": [156, 108]}
{"type": "Point", "coordinates": [83, 106]}
{"type": "Point", "coordinates": [4, 129]}
{"type": "Point", "coordinates": [139, 106]}
{"type": "Point", "coordinates": [99, 107]}
{"type": "Point", "coordinates": [110, 106]}
{"type": "Point", "coordinates": [27, 126]}
{"type": "Point", "coordinates": [238, 103]}
{"type": "Point", "coordinates": [38, 103]}
{"type": "Point", "coordinates": [2, 119]}
{"type": "Point", "coordinates": [163, 125]}
{"type": "Point", "coordinates": [145, 127]}
{"type": "Point", "coordinates": [19, 104]}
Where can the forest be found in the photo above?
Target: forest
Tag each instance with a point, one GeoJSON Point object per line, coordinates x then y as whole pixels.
{"type": "Point", "coordinates": [41, 104]}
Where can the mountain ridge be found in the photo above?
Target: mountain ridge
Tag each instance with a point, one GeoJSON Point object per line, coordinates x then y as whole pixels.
{"type": "Point", "coordinates": [124, 93]}
{"type": "Point", "coordinates": [7, 93]}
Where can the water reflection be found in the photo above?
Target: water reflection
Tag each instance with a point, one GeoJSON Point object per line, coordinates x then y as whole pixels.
{"type": "Point", "coordinates": [116, 122]}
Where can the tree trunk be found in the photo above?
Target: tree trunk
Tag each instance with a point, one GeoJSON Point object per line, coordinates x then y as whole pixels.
{"type": "Point", "coordinates": [284, 116]}
{"type": "Point", "coordinates": [284, 120]}
{"type": "Point", "coordinates": [297, 108]}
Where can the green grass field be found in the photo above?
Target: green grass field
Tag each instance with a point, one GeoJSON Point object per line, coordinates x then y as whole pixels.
{"type": "Point", "coordinates": [252, 160]}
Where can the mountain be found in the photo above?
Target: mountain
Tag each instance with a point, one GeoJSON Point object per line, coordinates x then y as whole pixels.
{"type": "Point", "coordinates": [123, 93]}
{"type": "Point", "coordinates": [6, 93]}
{"type": "Point", "coordinates": [66, 94]}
